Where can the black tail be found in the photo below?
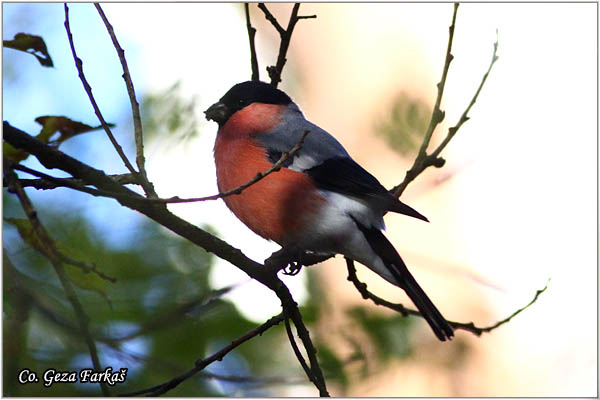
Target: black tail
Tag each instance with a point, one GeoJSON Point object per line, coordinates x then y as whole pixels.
{"type": "Point", "coordinates": [406, 281]}
{"type": "Point", "coordinates": [434, 318]}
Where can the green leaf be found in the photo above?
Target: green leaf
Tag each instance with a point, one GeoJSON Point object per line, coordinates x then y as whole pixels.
{"type": "Point", "coordinates": [13, 154]}
{"type": "Point", "coordinates": [81, 279]}
{"type": "Point", "coordinates": [388, 334]}
{"type": "Point", "coordinates": [89, 281]}
{"type": "Point", "coordinates": [333, 368]}
{"type": "Point", "coordinates": [404, 127]}
{"type": "Point", "coordinates": [31, 44]}
{"type": "Point", "coordinates": [168, 114]}
{"type": "Point", "coordinates": [27, 233]}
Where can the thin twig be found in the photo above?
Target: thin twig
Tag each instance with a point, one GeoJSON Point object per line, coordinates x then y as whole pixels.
{"type": "Point", "coordinates": [362, 289]}
{"type": "Point", "coordinates": [51, 253]}
{"type": "Point", "coordinates": [135, 108]}
{"type": "Point", "coordinates": [290, 308]}
{"type": "Point", "coordinates": [238, 190]}
{"type": "Point", "coordinates": [253, 381]}
{"type": "Point", "coordinates": [88, 90]}
{"type": "Point", "coordinates": [249, 381]}
{"type": "Point", "coordinates": [42, 306]}
{"type": "Point", "coordinates": [437, 115]}
{"type": "Point", "coordinates": [73, 183]}
{"type": "Point", "coordinates": [478, 331]}
{"type": "Point", "coordinates": [251, 35]}
{"type": "Point", "coordinates": [464, 117]}
{"type": "Point", "coordinates": [271, 18]}
{"type": "Point", "coordinates": [424, 160]}
{"type": "Point", "coordinates": [470, 326]}
{"type": "Point", "coordinates": [53, 158]}
{"type": "Point", "coordinates": [295, 348]}
{"type": "Point", "coordinates": [44, 184]}
{"type": "Point", "coordinates": [76, 185]}
{"type": "Point", "coordinates": [285, 35]}
{"type": "Point", "coordinates": [85, 266]}
{"type": "Point", "coordinates": [165, 321]}
{"type": "Point", "coordinates": [169, 318]}
{"type": "Point", "coordinates": [203, 363]}
{"type": "Point", "coordinates": [275, 72]}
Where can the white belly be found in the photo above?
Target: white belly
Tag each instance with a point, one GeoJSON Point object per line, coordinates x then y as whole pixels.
{"type": "Point", "coordinates": [334, 230]}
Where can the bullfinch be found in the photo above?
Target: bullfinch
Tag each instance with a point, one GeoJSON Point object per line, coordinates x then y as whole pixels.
{"type": "Point", "coordinates": [321, 201]}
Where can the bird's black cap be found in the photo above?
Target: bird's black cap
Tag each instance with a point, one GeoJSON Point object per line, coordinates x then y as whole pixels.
{"type": "Point", "coordinates": [242, 95]}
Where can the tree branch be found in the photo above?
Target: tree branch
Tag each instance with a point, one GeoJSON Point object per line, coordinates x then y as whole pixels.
{"type": "Point", "coordinates": [167, 318]}
{"type": "Point", "coordinates": [76, 184]}
{"type": "Point", "coordinates": [314, 373]}
{"type": "Point", "coordinates": [464, 117]}
{"type": "Point", "coordinates": [154, 208]}
{"type": "Point", "coordinates": [203, 363]}
{"type": "Point", "coordinates": [251, 35]}
{"type": "Point", "coordinates": [478, 331]}
{"type": "Point", "coordinates": [437, 115]}
{"type": "Point", "coordinates": [73, 183]}
{"type": "Point", "coordinates": [238, 190]}
{"type": "Point", "coordinates": [135, 108]}
{"type": "Point", "coordinates": [50, 252]}
{"type": "Point", "coordinates": [299, 356]}
{"type": "Point", "coordinates": [285, 35]}
{"type": "Point", "coordinates": [88, 90]}
{"type": "Point", "coordinates": [470, 326]}
{"type": "Point", "coordinates": [271, 18]}
{"type": "Point", "coordinates": [46, 184]}
{"type": "Point", "coordinates": [85, 266]}
{"type": "Point", "coordinates": [424, 160]}
{"type": "Point", "coordinates": [53, 158]}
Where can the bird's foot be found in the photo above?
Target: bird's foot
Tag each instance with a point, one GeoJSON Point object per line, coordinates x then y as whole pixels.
{"type": "Point", "coordinates": [290, 260]}
{"type": "Point", "coordinates": [292, 269]}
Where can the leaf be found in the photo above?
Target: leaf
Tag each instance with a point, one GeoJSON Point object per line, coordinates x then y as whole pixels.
{"type": "Point", "coordinates": [388, 334]}
{"type": "Point", "coordinates": [66, 127]}
{"type": "Point", "coordinates": [81, 279]}
{"type": "Point", "coordinates": [170, 114]}
{"type": "Point", "coordinates": [31, 44]}
{"type": "Point", "coordinates": [88, 281]}
{"type": "Point", "coordinates": [332, 365]}
{"type": "Point", "coordinates": [27, 233]}
{"type": "Point", "coordinates": [403, 128]}
{"type": "Point", "coordinates": [13, 154]}
{"type": "Point", "coordinates": [85, 280]}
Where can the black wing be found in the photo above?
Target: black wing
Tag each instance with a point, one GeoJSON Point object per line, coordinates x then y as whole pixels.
{"type": "Point", "coordinates": [343, 175]}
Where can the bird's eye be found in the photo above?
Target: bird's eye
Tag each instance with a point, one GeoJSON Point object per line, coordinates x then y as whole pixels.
{"type": "Point", "coordinates": [242, 102]}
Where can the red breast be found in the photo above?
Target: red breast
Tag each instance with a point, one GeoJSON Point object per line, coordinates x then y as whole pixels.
{"type": "Point", "coordinates": [281, 204]}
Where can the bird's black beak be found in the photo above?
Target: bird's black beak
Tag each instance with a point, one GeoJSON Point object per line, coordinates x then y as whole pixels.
{"type": "Point", "coordinates": [218, 112]}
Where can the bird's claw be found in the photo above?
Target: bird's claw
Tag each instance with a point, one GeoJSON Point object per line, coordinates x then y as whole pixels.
{"type": "Point", "coordinates": [292, 269]}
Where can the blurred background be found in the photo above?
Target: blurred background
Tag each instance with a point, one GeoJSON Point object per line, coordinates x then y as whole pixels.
{"type": "Point", "coordinates": [514, 206]}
